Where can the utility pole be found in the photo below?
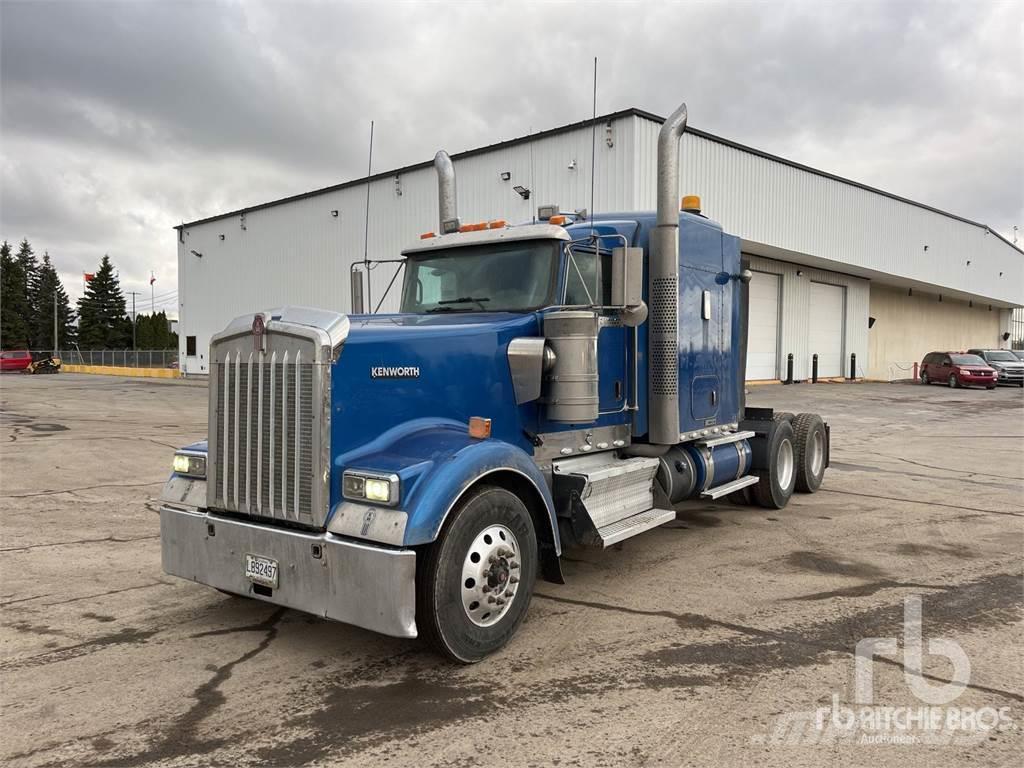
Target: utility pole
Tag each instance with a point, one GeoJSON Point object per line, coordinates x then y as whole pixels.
{"type": "Point", "coordinates": [56, 341]}
{"type": "Point", "coordinates": [134, 294]}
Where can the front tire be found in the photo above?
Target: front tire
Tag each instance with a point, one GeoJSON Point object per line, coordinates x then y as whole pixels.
{"type": "Point", "coordinates": [924, 378]}
{"type": "Point", "coordinates": [953, 383]}
{"type": "Point", "coordinates": [476, 580]}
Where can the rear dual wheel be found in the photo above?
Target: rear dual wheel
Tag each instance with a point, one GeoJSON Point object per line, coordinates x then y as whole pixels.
{"type": "Point", "coordinates": [811, 445]}
{"type": "Point", "coordinates": [476, 580]}
{"type": "Point", "coordinates": [774, 463]}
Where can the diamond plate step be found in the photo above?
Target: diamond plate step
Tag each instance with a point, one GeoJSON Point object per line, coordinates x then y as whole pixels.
{"type": "Point", "coordinates": [731, 437]}
{"type": "Point", "coordinates": [735, 485]}
{"type": "Point", "coordinates": [631, 526]}
{"type": "Point", "coordinates": [614, 488]}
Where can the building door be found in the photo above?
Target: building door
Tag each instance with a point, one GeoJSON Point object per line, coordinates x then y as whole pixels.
{"type": "Point", "coordinates": [826, 333]}
{"type": "Point", "coordinates": [763, 327]}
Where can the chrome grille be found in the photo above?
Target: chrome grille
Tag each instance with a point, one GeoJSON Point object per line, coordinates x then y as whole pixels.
{"type": "Point", "coordinates": [264, 416]}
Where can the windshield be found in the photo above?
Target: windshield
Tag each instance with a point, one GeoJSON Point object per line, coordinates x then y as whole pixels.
{"type": "Point", "coordinates": [1002, 357]}
{"type": "Point", "coordinates": [967, 360]}
{"type": "Point", "coordinates": [503, 277]}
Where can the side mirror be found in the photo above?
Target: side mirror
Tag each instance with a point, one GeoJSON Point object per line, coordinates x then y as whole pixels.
{"type": "Point", "coordinates": [627, 284]}
{"type": "Point", "coordinates": [357, 291]}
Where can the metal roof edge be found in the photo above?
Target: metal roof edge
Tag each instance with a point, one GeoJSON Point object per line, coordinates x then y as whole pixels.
{"type": "Point", "coordinates": [628, 112]}
{"type": "Point", "coordinates": [817, 172]}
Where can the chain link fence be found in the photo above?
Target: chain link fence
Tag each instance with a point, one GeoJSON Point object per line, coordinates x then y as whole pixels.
{"type": "Point", "coordinates": [125, 358]}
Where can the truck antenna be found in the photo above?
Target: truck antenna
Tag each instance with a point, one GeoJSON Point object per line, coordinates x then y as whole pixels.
{"type": "Point", "coordinates": [534, 212]}
{"type": "Point", "coordinates": [593, 149]}
{"type": "Point", "coordinates": [366, 224]}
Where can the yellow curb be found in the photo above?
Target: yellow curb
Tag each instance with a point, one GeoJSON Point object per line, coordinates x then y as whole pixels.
{"type": "Point", "coordinates": [110, 370]}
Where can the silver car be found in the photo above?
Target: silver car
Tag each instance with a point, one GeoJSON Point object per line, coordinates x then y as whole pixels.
{"type": "Point", "coordinates": [1009, 367]}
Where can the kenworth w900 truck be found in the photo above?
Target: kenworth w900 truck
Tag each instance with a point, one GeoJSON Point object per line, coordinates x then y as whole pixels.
{"type": "Point", "coordinates": [568, 382]}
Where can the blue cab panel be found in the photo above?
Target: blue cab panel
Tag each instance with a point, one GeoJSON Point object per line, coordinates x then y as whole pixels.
{"type": "Point", "coordinates": [709, 367]}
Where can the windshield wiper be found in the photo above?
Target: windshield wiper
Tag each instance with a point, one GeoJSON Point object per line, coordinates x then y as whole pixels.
{"type": "Point", "coordinates": [466, 299]}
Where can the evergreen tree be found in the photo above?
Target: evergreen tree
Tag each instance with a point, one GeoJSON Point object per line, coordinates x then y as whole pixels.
{"type": "Point", "coordinates": [162, 332]}
{"type": "Point", "coordinates": [15, 310]}
{"type": "Point", "coordinates": [47, 286]}
{"type": "Point", "coordinates": [143, 332]}
{"type": "Point", "coordinates": [153, 332]}
{"type": "Point", "coordinates": [30, 269]}
{"type": "Point", "coordinates": [103, 322]}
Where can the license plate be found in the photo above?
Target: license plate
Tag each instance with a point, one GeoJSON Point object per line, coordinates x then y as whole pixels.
{"type": "Point", "coordinates": [261, 570]}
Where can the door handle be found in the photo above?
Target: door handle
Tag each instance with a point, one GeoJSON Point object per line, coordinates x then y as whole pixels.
{"type": "Point", "coordinates": [714, 397]}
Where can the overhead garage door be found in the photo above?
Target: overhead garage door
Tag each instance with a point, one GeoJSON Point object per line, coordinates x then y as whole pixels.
{"type": "Point", "coordinates": [825, 335]}
{"type": "Point", "coordinates": [763, 327]}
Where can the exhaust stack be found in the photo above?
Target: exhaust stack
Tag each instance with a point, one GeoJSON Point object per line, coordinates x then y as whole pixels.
{"type": "Point", "coordinates": [663, 344]}
{"type": "Point", "coordinates": [449, 219]}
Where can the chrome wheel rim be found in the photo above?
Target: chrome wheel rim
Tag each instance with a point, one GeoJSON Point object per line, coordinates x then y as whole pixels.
{"type": "Point", "coordinates": [817, 452]}
{"type": "Point", "coordinates": [952, 381]}
{"type": "Point", "coordinates": [490, 575]}
{"type": "Point", "coordinates": [784, 465]}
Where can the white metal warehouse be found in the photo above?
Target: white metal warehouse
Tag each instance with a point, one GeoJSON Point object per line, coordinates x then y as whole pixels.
{"type": "Point", "coordinates": [839, 267]}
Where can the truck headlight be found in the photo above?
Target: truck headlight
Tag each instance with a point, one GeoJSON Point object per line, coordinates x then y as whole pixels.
{"type": "Point", "coordinates": [190, 465]}
{"type": "Point", "coordinates": [366, 486]}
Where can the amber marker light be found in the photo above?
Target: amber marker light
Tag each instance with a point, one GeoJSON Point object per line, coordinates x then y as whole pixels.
{"type": "Point", "coordinates": [479, 427]}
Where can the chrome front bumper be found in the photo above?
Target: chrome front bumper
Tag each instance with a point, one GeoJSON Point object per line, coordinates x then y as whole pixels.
{"type": "Point", "coordinates": [361, 584]}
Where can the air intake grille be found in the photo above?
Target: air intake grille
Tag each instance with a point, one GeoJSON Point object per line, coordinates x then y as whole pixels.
{"type": "Point", "coordinates": [261, 454]}
{"type": "Point", "coordinates": [664, 344]}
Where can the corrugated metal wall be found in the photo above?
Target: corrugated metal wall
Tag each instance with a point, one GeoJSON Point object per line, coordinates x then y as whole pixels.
{"type": "Point", "coordinates": [771, 203]}
{"type": "Point", "coordinates": [298, 253]}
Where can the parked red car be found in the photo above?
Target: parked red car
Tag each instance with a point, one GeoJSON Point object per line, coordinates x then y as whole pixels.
{"type": "Point", "coordinates": [957, 369]}
{"type": "Point", "coordinates": [15, 360]}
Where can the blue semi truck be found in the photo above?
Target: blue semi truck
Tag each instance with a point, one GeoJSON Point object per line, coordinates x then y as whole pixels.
{"type": "Point", "coordinates": [567, 382]}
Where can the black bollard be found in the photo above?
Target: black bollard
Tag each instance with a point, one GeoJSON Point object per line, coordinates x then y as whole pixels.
{"type": "Point", "coordinates": [789, 368]}
{"type": "Point", "coordinates": [853, 366]}
{"type": "Point", "coordinates": [814, 368]}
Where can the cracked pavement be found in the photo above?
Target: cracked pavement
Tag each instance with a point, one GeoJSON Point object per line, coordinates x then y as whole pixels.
{"type": "Point", "coordinates": [692, 644]}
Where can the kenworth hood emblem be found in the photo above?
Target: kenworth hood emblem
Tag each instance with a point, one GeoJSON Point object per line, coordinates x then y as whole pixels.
{"type": "Point", "coordinates": [395, 372]}
{"type": "Point", "coordinates": [259, 328]}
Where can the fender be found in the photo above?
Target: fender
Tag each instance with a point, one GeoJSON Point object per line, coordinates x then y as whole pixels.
{"type": "Point", "coordinates": [437, 461]}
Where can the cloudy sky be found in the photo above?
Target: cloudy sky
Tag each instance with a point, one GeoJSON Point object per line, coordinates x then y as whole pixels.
{"type": "Point", "coordinates": [122, 119]}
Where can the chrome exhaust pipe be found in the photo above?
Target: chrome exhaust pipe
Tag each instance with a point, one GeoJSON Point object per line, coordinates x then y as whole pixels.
{"type": "Point", "coordinates": [449, 219]}
{"type": "Point", "coordinates": [663, 290]}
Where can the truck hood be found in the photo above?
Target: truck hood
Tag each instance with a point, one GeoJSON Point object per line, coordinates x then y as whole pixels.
{"type": "Point", "coordinates": [394, 369]}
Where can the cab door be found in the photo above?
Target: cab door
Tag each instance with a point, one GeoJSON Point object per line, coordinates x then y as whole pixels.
{"type": "Point", "coordinates": [588, 283]}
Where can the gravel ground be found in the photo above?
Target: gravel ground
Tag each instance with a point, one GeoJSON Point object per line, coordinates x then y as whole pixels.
{"type": "Point", "coordinates": [714, 639]}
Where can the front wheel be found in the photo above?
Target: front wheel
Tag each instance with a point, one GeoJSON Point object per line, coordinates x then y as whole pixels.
{"type": "Point", "coordinates": [476, 580]}
{"type": "Point", "coordinates": [924, 378]}
{"type": "Point", "coordinates": [952, 381]}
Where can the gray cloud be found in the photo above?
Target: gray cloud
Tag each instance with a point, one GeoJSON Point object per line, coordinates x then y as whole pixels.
{"type": "Point", "coordinates": [120, 120]}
